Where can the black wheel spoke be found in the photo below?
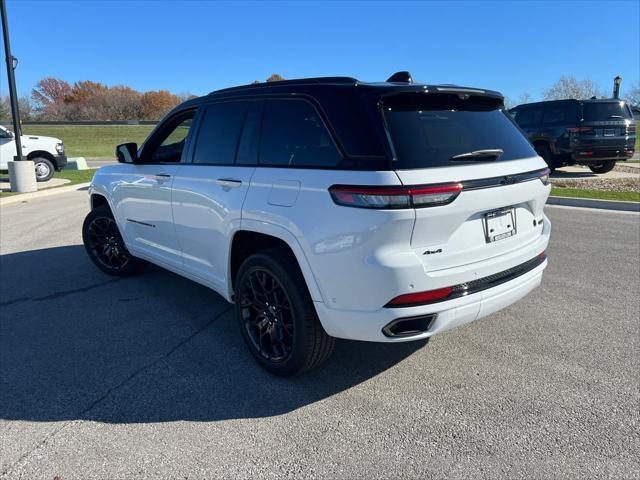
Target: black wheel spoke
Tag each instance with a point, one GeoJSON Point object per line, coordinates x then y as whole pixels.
{"type": "Point", "coordinates": [266, 315]}
{"type": "Point", "coordinates": [107, 244]}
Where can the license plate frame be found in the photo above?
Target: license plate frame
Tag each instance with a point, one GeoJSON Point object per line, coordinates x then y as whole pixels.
{"type": "Point", "coordinates": [609, 132]}
{"type": "Point", "coordinates": [499, 224]}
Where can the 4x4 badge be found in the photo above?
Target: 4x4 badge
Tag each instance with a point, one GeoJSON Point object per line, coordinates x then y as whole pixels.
{"type": "Point", "coordinates": [429, 252]}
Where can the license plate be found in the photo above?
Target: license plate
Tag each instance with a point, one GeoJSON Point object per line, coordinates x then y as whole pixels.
{"type": "Point", "coordinates": [609, 132]}
{"type": "Point", "coordinates": [499, 224]}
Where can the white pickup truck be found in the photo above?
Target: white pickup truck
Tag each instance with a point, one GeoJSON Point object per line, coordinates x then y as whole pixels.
{"type": "Point", "coordinates": [46, 152]}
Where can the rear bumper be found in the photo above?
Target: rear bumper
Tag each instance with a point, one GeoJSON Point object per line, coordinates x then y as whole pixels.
{"type": "Point", "coordinates": [591, 154]}
{"type": "Point", "coordinates": [369, 326]}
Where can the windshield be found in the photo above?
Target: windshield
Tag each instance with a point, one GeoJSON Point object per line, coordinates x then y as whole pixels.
{"type": "Point", "coordinates": [593, 112]}
{"type": "Point", "coordinates": [430, 130]}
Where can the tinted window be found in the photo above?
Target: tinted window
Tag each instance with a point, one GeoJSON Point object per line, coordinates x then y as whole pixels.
{"type": "Point", "coordinates": [170, 142]}
{"type": "Point", "coordinates": [592, 111]}
{"type": "Point", "coordinates": [248, 146]}
{"type": "Point", "coordinates": [529, 116]}
{"type": "Point", "coordinates": [219, 133]}
{"type": "Point", "coordinates": [560, 113]}
{"type": "Point", "coordinates": [427, 132]}
{"type": "Point", "coordinates": [293, 135]}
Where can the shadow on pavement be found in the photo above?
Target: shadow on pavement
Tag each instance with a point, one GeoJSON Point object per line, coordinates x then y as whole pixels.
{"type": "Point", "coordinates": [76, 344]}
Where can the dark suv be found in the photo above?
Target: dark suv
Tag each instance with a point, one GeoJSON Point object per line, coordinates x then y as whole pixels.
{"type": "Point", "coordinates": [594, 133]}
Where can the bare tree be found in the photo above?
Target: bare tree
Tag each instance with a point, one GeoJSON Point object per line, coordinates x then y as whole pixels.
{"type": "Point", "coordinates": [632, 96]}
{"type": "Point", "coordinates": [24, 106]}
{"type": "Point", "coordinates": [569, 87]}
{"type": "Point", "coordinates": [525, 98]}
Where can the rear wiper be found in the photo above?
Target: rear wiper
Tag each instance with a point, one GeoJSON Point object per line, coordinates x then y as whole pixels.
{"type": "Point", "coordinates": [488, 154]}
{"type": "Point", "coordinates": [615, 116]}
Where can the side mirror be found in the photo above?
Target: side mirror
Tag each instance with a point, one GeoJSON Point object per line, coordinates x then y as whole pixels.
{"type": "Point", "coordinates": [127, 153]}
{"type": "Point", "coordinates": [9, 134]}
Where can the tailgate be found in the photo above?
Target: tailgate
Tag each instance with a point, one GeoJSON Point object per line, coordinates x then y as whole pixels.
{"type": "Point", "coordinates": [460, 233]}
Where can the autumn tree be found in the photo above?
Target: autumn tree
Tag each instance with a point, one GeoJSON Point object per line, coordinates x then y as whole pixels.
{"type": "Point", "coordinates": [49, 95]}
{"type": "Point", "coordinates": [275, 78]}
{"type": "Point", "coordinates": [155, 104]}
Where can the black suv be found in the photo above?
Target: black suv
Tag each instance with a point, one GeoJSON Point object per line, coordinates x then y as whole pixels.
{"type": "Point", "coordinates": [594, 133]}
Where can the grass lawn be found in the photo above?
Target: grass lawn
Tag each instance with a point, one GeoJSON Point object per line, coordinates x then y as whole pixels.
{"type": "Point", "coordinates": [597, 194]}
{"type": "Point", "coordinates": [91, 140]}
{"type": "Point", "coordinates": [74, 177]}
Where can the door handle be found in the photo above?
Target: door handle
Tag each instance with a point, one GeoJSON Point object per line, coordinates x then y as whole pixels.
{"type": "Point", "coordinates": [163, 175]}
{"type": "Point", "coordinates": [227, 183]}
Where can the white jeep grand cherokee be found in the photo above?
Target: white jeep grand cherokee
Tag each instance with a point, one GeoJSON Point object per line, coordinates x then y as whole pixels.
{"type": "Point", "coordinates": [332, 208]}
{"type": "Point", "coordinates": [47, 153]}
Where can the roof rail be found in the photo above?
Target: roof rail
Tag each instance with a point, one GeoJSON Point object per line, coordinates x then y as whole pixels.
{"type": "Point", "coordinates": [296, 81]}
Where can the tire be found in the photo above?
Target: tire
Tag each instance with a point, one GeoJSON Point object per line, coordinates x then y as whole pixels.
{"type": "Point", "coordinates": [44, 169]}
{"type": "Point", "coordinates": [545, 152]}
{"type": "Point", "coordinates": [276, 315]}
{"type": "Point", "coordinates": [105, 247]}
{"type": "Point", "coordinates": [603, 167]}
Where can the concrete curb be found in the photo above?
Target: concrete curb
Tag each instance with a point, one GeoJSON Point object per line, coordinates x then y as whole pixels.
{"type": "Point", "coordinates": [593, 203]}
{"type": "Point", "coordinates": [24, 197]}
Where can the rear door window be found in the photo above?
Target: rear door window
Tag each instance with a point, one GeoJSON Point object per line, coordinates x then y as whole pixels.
{"type": "Point", "coordinates": [559, 113]}
{"type": "Point", "coordinates": [219, 133]}
{"type": "Point", "coordinates": [529, 116]}
{"type": "Point", "coordinates": [602, 111]}
{"type": "Point", "coordinates": [293, 135]}
{"type": "Point", "coordinates": [428, 130]}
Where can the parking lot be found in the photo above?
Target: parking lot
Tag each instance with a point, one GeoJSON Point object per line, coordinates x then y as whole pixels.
{"type": "Point", "coordinates": [148, 376]}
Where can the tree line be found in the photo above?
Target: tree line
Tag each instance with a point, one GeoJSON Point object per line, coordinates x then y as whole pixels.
{"type": "Point", "coordinates": [56, 99]}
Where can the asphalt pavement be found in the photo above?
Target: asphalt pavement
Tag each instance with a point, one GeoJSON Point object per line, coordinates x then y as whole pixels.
{"type": "Point", "coordinates": [147, 377]}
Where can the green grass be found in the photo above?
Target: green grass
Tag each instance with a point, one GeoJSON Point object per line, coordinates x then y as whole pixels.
{"type": "Point", "coordinates": [74, 177]}
{"type": "Point", "coordinates": [91, 140]}
{"type": "Point", "coordinates": [597, 194]}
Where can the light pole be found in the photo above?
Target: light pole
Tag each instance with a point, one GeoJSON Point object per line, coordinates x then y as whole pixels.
{"type": "Point", "coordinates": [616, 86]}
{"type": "Point", "coordinates": [22, 176]}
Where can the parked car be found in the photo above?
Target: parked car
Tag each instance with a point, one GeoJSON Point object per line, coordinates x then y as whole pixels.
{"type": "Point", "coordinates": [330, 207]}
{"type": "Point", "coordinates": [595, 133]}
{"type": "Point", "coordinates": [47, 153]}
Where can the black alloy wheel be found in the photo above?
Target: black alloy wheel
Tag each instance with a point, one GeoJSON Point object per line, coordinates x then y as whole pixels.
{"type": "Point", "coordinates": [276, 314]}
{"type": "Point", "coordinates": [267, 315]}
{"type": "Point", "coordinates": [106, 243]}
{"type": "Point", "coordinates": [105, 246]}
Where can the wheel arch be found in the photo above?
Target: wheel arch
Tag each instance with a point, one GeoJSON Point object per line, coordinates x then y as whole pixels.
{"type": "Point", "coordinates": [253, 237]}
{"type": "Point", "coordinates": [98, 200]}
{"type": "Point", "coordinates": [546, 142]}
{"type": "Point", "coordinates": [43, 154]}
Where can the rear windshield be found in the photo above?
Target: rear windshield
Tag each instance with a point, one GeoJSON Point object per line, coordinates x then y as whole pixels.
{"type": "Point", "coordinates": [427, 130]}
{"type": "Point", "coordinates": [594, 112]}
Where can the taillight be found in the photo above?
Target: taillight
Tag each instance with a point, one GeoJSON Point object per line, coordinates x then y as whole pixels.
{"type": "Point", "coordinates": [419, 298]}
{"type": "Point", "coordinates": [544, 176]}
{"type": "Point", "coordinates": [579, 129]}
{"type": "Point", "coordinates": [395, 197]}
{"type": "Point", "coordinates": [631, 129]}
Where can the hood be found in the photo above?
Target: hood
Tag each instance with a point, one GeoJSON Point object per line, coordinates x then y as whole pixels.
{"type": "Point", "coordinates": [26, 137]}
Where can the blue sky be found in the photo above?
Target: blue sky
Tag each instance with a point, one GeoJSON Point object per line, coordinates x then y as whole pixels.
{"type": "Point", "coordinates": [196, 47]}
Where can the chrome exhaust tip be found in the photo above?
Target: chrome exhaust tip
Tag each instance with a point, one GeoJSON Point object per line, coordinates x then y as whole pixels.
{"type": "Point", "coordinates": [409, 326]}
